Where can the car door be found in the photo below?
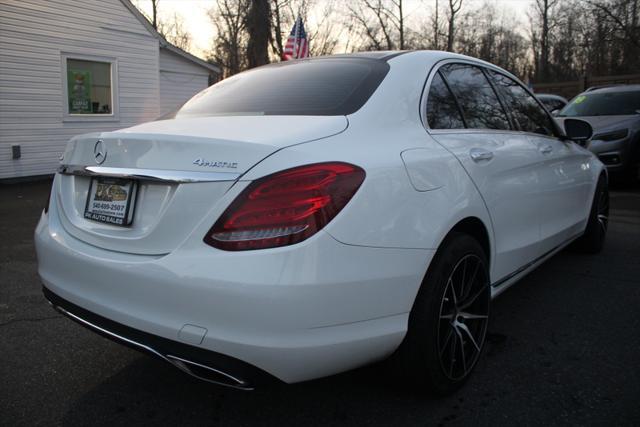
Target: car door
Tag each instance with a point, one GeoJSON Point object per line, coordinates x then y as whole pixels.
{"type": "Point", "coordinates": [562, 166]}
{"type": "Point", "coordinates": [466, 117]}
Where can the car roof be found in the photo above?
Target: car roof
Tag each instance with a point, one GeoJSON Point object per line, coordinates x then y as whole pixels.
{"type": "Point", "coordinates": [384, 55]}
{"type": "Point", "coordinates": [551, 96]}
{"type": "Point", "coordinates": [613, 88]}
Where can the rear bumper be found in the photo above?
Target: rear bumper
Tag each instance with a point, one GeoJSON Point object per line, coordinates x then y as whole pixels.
{"type": "Point", "coordinates": [202, 364]}
{"type": "Point", "coordinates": [296, 313]}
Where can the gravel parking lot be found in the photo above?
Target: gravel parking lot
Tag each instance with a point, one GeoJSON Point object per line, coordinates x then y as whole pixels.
{"type": "Point", "coordinates": [563, 349]}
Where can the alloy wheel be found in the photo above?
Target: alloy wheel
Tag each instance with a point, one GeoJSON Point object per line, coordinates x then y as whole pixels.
{"type": "Point", "coordinates": [464, 316]}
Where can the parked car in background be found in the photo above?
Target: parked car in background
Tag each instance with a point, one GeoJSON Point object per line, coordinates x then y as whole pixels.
{"type": "Point", "coordinates": [305, 218]}
{"type": "Point", "coordinates": [614, 114]}
{"type": "Point", "coordinates": [553, 103]}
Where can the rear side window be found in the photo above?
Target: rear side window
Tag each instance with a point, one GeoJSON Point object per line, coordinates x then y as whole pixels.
{"type": "Point", "coordinates": [526, 111]}
{"type": "Point", "coordinates": [324, 87]}
{"type": "Point", "coordinates": [442, 110]}
{"type": "Point", "coordinates": [478, 100]}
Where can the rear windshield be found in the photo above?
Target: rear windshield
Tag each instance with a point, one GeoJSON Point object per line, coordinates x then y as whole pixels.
{"type": "Point", "coordinates": [319, 87]}
{"type": "Point", "coordinates": [603, 104]}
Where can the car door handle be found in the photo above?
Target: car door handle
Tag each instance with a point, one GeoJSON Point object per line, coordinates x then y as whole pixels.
{"type": "Point", "coordinates": [546, 149]}
{"type": "Point", "coordinates": [480, 154]}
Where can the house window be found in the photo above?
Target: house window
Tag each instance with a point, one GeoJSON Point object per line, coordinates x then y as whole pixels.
{"type": "Point", "coordinates": [90, 88]}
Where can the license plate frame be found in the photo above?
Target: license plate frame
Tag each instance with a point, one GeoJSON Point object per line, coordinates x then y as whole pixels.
{"type": "Point", "coordinates": [106, 202]}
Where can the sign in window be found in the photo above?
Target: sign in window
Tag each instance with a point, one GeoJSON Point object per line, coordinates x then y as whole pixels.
{"type": "Point", "coordinates": [89, 87]}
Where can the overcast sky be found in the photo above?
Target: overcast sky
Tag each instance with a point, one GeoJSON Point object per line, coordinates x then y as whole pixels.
{"type": "Point", "coordinates": [194, 13]}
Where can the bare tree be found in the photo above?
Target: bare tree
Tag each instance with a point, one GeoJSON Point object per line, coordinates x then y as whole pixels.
{"type": "Point", "coordinates": [153, 18]}
{"type": "Point", "coordinates": [327, 32]}
{"type": "Point", "coordinates": [624, 14]}
{"type": "Point", "coordinates": [433, 31]}
{"type": "Point", "coordinates": [380, 13]}
{"type": "Point", "coordinates": [493, 35]}
{"type": "Point", "coordinates": [543, 23]}
{"type": "Point", "coordinates": [382, 23]}
{"type": "Point", "coordinates": [370, 30]}
{"type": "Point", "coordinates": [283, 16]}
{"type": "Point", "coordinates": [258, 24]}
{"type": "Point", "coordinates": [399, 21]}
{"type": "Point", "coordinates": [173, 28]}
{"type": "Point", "coordinates": [154, 8]}
{"type": "Point", "coordinates": [229, 19]}
{"type": "Point", "coordinates": [436, 28]}
{"type": "Point", "coordinates": [620, 21]}
{"type": "Point", "coordinates": [568, 38]}
{"type": "Point", "coordinates": [454, 9]}
{"type": "Point", "coordinates": [174, 31]}
{"type": "Point", "coordinates": [276, 21]}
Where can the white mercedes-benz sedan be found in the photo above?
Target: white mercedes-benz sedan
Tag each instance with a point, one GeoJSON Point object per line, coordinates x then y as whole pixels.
{"type": "Point", "coordinates": [310, 217]}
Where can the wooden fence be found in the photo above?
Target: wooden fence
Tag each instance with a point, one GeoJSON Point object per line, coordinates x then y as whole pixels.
{"type": "Point", "coordinates": [571, 89]}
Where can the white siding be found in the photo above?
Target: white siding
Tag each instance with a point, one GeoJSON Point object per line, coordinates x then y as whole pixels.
{"type": "Point", "coordinates": [180, 79]}
{"type": "Point", "coordinates": [33, 34]}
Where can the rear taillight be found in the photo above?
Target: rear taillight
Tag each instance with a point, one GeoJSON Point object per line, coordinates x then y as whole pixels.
{"type": "Point", "coordinates": [286, 207]}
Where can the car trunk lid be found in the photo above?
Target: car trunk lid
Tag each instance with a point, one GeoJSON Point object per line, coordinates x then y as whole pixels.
{"type": "Point", "coordinates": [181, 168]}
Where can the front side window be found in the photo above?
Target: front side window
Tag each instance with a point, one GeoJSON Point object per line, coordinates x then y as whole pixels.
{"type": "Point", "coordinates": [526, 111]}
{"type": "Point", "coordinates": [478, 100]}
{"type": "Point", "coordinates": [442, 110]}
{"type": "Point", "coordinates": [88, 87]}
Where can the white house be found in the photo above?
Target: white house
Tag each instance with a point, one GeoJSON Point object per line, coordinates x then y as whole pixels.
{"type": "Point", "coordinates": [75, 66]}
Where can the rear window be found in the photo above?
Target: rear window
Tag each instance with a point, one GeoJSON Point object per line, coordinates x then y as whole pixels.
{"type": "Point", "coordinates": [603, 104]}
{"type": "Point", "coordinates": [320, 87]}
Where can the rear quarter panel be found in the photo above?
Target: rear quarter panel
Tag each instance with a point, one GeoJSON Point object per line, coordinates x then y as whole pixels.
{"type": "Point", "coordinates": [388, 210]}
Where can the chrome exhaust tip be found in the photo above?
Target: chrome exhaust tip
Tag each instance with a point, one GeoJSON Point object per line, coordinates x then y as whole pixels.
{"type": "Point", "coordinates": [207, 373]}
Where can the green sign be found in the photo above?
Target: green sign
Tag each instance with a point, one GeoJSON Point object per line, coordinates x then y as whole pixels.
{"type": "Point", "coordinates": [580, 99]}
{"type": "Point", "coordinates": [79, 91]}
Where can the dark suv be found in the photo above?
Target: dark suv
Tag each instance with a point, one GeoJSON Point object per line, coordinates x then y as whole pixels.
{"type": "Point", "coordinates": [614, 114]}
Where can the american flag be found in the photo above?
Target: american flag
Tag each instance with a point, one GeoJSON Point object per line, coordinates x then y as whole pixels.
{"type": "Point", "coordinates": [297, 45]}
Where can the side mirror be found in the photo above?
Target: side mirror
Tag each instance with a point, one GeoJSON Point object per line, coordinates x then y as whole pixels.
{"type": "Point", "coordinates": [577, 130]}
{"type": "Point", "coordinates": [555, 112]}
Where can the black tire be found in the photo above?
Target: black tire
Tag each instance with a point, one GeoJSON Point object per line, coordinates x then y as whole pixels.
{"type": "Point", "coordinates": [592, 241]}
{"type": "Point", "coordinates": [438, 353]}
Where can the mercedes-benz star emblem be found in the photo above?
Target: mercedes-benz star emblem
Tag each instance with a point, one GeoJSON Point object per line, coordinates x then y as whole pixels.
{"type": "Point", "coordinates": [100, 152]}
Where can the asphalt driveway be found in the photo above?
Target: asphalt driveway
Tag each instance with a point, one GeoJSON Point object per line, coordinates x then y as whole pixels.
{"type": "Point", "coordinates": [564, 349]}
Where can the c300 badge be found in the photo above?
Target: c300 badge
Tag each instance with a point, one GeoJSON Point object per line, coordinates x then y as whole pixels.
{"type": "Point", "coordinates": [215, 164]}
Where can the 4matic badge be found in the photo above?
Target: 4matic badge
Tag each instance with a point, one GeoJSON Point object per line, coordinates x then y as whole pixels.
{"type": "Point", "coordinates": [212, 164]}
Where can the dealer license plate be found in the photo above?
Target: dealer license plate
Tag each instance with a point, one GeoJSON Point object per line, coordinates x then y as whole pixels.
{"type": "Point", "coordinates": [111, 200]}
